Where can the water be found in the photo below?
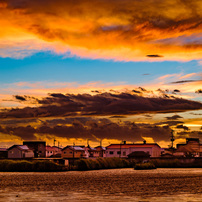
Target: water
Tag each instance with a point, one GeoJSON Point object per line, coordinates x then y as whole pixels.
{"type": "Point", "coordinates": [104, 185]}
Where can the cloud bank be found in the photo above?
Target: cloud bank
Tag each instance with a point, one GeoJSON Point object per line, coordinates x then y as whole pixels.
{"type": "Point", "coordinates": [89, 128]}
{"type": "Point", "coordinates": [128, 30]}
{"type": "Point", "coordinates": [57, 104]}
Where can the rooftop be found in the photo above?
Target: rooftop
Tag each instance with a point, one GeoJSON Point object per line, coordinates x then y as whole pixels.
{"type": "Point", "coordinates": [132, 145]}
{"type": "Point", "coordinates": [21, 147]}
{"type": "Point", "coordinates": [75, 148]}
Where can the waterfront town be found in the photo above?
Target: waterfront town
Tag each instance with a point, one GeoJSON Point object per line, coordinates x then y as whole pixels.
{"type": "Point", "coordinates": [138, 151]}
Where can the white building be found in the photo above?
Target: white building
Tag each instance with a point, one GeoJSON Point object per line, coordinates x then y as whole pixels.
{"type": "Point", "coordinates": [123, 150]}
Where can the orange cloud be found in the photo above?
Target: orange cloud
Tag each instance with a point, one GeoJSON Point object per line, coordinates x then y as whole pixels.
{"type": "Point", "coordinates": [126, 30]}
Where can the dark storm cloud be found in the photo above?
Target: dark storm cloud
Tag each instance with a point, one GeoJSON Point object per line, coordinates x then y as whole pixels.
{"type": "Point", "coordinates": [174, 117]}
{"type": "Point", "coordinates": [163, 91]}
{"type": "Point", "coordinates": [184, 81]}
{"type": "Point", "coordinates": [25, 98]}
{"type": "Point", "coordinates": [170, 123]}
{"type": "Point", "coordinates": [94, 129]}
{"type": "Point", "coordinates": [95, 91]}
{"type": "Point", "coordinates": [182, 127]}
{"type": "Point", "coordinates": [142, 89]}
{"type": "Point", "coordinates": [176, 91]}
{"type": "Point", "coordinates": [136, 91]}
{"type": "Point", "coordinates": [25, 133]}
{"type": "Point", "coordinates": [154, 56]}
{"type": "Point", "coordinates": [21, 98]}
{"type": "Point", "coordinates": [100, 104]}
{"type": "Point", "coordinates": [198, 91]}
{"type": "Point", "coordinates": [17, 121]}
{"type": "Point", "coordinates": [116, 117]}
{"type": "Point", "coordinates": [185, 134]}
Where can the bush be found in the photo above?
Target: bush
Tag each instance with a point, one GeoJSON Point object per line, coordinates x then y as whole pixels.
{"type": "Point", "coordinates": [82, 164]}
{"type": "Point", "coordinates": [173, 163]}
{"type": "Point", "coordinates": [144, 166]}
{"type": "Point", "coordinates": [101, 163]}
{"type": "Point", "coordinates": [27, 166]}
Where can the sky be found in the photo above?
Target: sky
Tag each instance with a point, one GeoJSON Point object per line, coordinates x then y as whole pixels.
{"type": "Point", "coordinates": [100, 71]}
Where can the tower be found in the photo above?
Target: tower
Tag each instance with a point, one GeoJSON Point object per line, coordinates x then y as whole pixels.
{"type": "Point", "coordinates": [172, 138]}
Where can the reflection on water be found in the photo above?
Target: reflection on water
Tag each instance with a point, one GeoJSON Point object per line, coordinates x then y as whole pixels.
{"type": "Point", "coordinates": [104, 185]}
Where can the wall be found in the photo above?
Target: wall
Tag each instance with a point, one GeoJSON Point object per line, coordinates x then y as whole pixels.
{"type": "Point", "coordinates": [14, 153]}
{"type": "Point", "coordinates": [28, 154]}
{"type": "Point", "coordinates": [156, 151]}
{"type": "Point", "coordinates": [126, 151]}
{"type": "Point", "coordinates": [68, 153]}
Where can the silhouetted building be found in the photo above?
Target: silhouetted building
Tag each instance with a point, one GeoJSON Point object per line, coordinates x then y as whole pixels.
{"type": "Point", "coordinates": [38, 147]}
{"type": "Point", "coordinates": [3, 153]}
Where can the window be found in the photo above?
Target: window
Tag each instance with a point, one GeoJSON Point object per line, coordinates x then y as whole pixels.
{"type": "Point", "coordinates": [111, 152]}
{"type": "Point", "coordinates": [70, 152]}
{"type": "Point", "coordinates": [118, 152]}
{"type": "Point", "coordinates": [124, 153]}
{"type": "Point", "coordinates": [64, 152]}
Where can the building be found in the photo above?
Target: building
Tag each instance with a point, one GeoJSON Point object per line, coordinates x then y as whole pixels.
{"type": "Point", "coordinates": [73, 152]}
{"type": "Point", "coordinates": [53, 151]}
{"type": "Point", "coordinates": [39, 148]}
{"type": "Point", "coordinates": [99, 152]}
{"type": "Point", "coordinates": [89, 151]}
{"type": "Point", "coordinates": [20, 152]}
{"type": "Point", "coordinates": [123, 150]}
{"type": "Point", "coordinates": [3, 153]}
{"type": "Point", "coordinates": [192, 148]}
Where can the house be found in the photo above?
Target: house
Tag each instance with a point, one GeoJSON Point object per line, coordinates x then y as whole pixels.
{"type": "Point", "coordinates": [99, 152]}
{"type": "Point", "coordinates": [39, 148]}
{"type": "Point", "coordinates": [73, 152]}
{"type": "Point", "coordinates": [3, 153]}
{"type": "Point", "coordinates": [53, 151]}
{"type": "Point", "coordinates": [89, 151]}
{"type": "Point", "coordinates": [192, 148]}
{"type": "Point", "coordinates": [19, 152]}
{"type": "Point", "coordinates": [123, 150]}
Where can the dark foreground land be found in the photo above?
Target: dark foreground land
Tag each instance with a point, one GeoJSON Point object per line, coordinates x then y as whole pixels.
{"type": "Point", "coordinates": [104, 185]}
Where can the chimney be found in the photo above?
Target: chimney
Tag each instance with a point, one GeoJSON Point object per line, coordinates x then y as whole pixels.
{"type": "Point", "coordinates": [124, 142]}
{"type": "Point", "coordinates": [144, 142]}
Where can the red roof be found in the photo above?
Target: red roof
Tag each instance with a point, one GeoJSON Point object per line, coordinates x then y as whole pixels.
{"type": "Point", "coordinates": [54, 148]}
{"type": "Point", "coordinates": [132, 145]}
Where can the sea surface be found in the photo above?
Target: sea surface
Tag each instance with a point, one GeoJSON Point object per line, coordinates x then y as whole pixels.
{"type": "Point", "coordinates": [103, 185]}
